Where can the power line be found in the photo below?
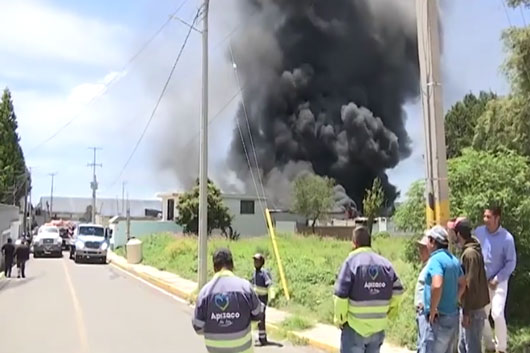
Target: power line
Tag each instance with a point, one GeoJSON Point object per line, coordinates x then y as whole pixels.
{"type": "Point", "coordinates": [146, 127]}
{"type": "Point", "coordinates": [115, 79]}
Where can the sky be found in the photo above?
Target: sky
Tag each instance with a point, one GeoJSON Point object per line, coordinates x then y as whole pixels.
{"type": "Point", "coordinates": [74, 86]}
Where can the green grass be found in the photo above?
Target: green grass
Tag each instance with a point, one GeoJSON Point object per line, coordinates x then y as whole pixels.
{"type": "Point", "coordinates": [519, 338]}
{"type": "Point", "coordinates": [311, 265]}
{"type": "Point", "coordinates": [297, 323]}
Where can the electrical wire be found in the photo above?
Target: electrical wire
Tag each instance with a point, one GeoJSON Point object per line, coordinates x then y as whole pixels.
{"type": "Point", "coordinates": [114, 80]}
{"type": "Point", "coordinates": [162, 93]}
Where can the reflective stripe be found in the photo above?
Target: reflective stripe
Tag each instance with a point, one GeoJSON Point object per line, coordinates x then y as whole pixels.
{"type": "Point", "coordinates": [397, 291]}
{"type": "Point", "coordinates": [227, 336]}
{"type": "Point", "coordinates": [261, 290]}
{"type": "Point", "coordinates": [224, 344]}
{"type": "Point", "coordinates": [198, 323]}
{"type": "Point", "coordinates": [369, 302]}
{"type": "Point", "coordinates": [368, 309]}
{"type": "Point", "coordinates": [369, 315]}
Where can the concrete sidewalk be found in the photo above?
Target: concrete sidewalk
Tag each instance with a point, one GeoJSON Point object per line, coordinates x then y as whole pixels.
{"type": "Point", "coordinates": [321, 336]}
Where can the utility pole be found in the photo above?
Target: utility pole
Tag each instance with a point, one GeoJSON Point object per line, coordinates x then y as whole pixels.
{"type": "Point", "coordinates": [94, 183]}
{"type": "Point", "coordinates": [128, 219]}
{"type": "Point", "coordinates": [26, 189]}
{"type": "Point", "coordinates": [437, 187]}
{"type": "Point", "coordinates": [123, 183]}
{"type": "Point", "coordinates": [51, 194]}
{"type": "Point", "coordinates": [30, 204]}
{"type": "Point", "coordinates": [203, 168]}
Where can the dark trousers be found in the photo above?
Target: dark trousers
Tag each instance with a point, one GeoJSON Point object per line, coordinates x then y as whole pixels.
{"type": "Point", "coordinates": [8, 264]}
{"type": "Point", "coordinates": [21, 268]}
{"type": "Point", "coordinates": [262, 328]}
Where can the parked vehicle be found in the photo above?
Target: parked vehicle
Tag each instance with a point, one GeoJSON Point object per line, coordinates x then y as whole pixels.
{"type": "Point", "coordinates": [47, 242]}
{"type": "Point", "coordinates": [90, 241]}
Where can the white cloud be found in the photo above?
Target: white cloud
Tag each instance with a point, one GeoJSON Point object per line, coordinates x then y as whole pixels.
{"type": "Point", "coordinates": [32, 29]}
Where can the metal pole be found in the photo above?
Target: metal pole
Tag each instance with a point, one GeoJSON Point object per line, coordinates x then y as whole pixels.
{"type": "Point", "coordinates": [437, 186]}
{"type": "Point", "coordinates": [122, 198]}
{"type": "Point", "coordinates": [128, 219]}
{"type": "Point", "coordinates": [203, 169]}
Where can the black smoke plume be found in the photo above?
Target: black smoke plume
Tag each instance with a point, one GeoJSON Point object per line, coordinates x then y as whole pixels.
{"type": "Point", "coordinates": [324, 84]}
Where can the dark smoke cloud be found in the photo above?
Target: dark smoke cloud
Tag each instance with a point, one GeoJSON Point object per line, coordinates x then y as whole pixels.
{"type": "Point", "coordinates": [325, 84]}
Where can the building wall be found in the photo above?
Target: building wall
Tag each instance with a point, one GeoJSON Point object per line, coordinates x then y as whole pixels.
{"type": "Point", "coordinates": [141, 229]}
{"type": "Point", "coordinates": [247, 225]}
{"type": "Point", "coordinates": [8, 215]}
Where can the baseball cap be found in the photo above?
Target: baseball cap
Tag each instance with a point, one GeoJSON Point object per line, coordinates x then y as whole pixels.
{"type": "Point", "coordinates": [439, 234]}
{"type": "Point", "coordinates": [258, 256]}
{"type": "Point", "coordinates": [424, 240]}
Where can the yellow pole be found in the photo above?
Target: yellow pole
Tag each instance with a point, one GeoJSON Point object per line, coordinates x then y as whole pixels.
{"type": "Point", "coordinates": [277, 253]}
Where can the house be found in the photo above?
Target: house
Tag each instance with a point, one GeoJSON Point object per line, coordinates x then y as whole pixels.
{"type": "Point", "coordinates": [80, 208]}
{"type": "Point", "coordinates": [248, 211]}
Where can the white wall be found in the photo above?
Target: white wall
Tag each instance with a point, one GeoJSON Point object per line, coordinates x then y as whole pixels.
{"type": "Point", "coordinates": [246, 224]}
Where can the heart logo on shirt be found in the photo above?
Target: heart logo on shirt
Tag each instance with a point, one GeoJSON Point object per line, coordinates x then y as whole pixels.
{"type": "Point", "coordinates": [222, 301]}
{"type": "Point", "coordinates": [374, 272]}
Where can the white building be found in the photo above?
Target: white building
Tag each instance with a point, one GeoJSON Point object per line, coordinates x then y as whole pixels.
{"type": "Point", "coordinates": [248, 211]}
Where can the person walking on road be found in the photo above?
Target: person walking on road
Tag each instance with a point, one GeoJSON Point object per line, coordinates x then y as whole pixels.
{"type": "Point", "coordinates": [8, 250]}
{"type": "Point", "coordinates": [225, 308]}
{"type": "Point", "coordinates": [367, 293]}
{"type": "Point", "coordinates": [444, 286]}
{"type": "Point", "coordinates": [476, 295]}
{"type": "Point", "coordinates": [261, 281]}
{"type": "Point", "coordinates": [22, 255]}
{"type": "Point", "coordinates": [500, 258]}
{"type": "Point", "coordinates": [421, 319]}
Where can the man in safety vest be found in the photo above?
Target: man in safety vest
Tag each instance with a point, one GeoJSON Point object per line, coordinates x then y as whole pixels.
{"type": "Point", "coordinates": [367, 293]}
{"type": "Point", "coordinates": [261, 280]}
{"type": "Point", "coordinates": [225, 307]}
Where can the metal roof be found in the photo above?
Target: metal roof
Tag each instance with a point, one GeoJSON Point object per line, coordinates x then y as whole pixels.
{"type": "Point", "coordinates": [105, 207]}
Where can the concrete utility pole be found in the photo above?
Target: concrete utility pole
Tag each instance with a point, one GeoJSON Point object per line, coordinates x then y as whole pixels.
{"type": "Point", "coordinates": [437, 187]}
{"type": "Point", "coordinates": [51, 194]}
{"type": "Point", "coordinates": [128, 219]}
{"type": "Point", "coordinates": [94, 183]}
{"type": "Point", "coordinates": [26, 189]}
{"type": "Point", "coordinates": [123, 183]}
{"type": "Point", "coordinates": [203, 169]}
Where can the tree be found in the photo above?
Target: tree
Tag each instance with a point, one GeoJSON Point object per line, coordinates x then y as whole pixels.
{"type": "Point", "coordinates": [410, 215]}
{"type": "Point", "coordinates": [313, 196]}
{"type": "Point", "coordinates": [218, 214]}
{"type": "Point", "coordinates": [461, 120]}
{"type": "Point", "coordinates": [373, 202]}
{"type": "Point", "coordinates": [506, 121]}
{"type": "Point", "coordinates": [12, 164]}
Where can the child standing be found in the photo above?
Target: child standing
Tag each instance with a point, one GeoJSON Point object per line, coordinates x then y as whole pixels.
{"type": "Point", "coordinates": [261, 281]}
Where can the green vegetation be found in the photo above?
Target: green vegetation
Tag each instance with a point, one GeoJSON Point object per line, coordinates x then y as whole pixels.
{"type": "Point", "coordinates": [297, 323]}
{"type": "Point", "coordinates": [374, 199]}
{"type": "Point", "coordinates": [218, 214]}
{"type": "Point", "coordinates": [12, 164]}
{"type": "Point", "coordinates": [312, 196]}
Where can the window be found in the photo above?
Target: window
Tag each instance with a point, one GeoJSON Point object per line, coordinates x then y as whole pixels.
{"type": "Point", "coordinates": [247, 207]}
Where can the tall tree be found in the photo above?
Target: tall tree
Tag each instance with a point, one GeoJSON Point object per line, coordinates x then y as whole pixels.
{"type": "Point", "coordinates": [218, 214]}
{"type": "Point", "coordinates": [373, 202]}
{"type": "Point", "coordinates": [410, 215]}
{"type": "Point", "coordinates": [506, 121]}
{"type": "Point", "coordinates": [461, 120]}
{"type": "Point", "coordinates": [12, 165]}
{"type": "Point", "coordinates": [313, 196]}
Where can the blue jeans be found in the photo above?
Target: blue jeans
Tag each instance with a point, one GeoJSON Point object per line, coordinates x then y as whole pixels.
{"type": "Point", "coordinates": [442, 335]}
{"type": "Point", "coordinates": [352, 342]}
{"type": "Point", "coordinates": [471, 337]}
{"type": "Point", "coordinates": [423, 324]}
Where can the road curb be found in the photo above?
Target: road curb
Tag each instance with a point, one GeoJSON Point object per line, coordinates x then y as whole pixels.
{"type": "Point", "coordinates": [154, 281]}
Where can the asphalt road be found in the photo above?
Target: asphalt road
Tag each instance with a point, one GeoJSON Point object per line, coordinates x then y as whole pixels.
{"type": "Point", "coordinates": [62, 307]}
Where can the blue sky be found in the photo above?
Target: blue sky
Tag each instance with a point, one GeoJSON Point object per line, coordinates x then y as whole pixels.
{"type": "Point", "coordinates": [56, 55]}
